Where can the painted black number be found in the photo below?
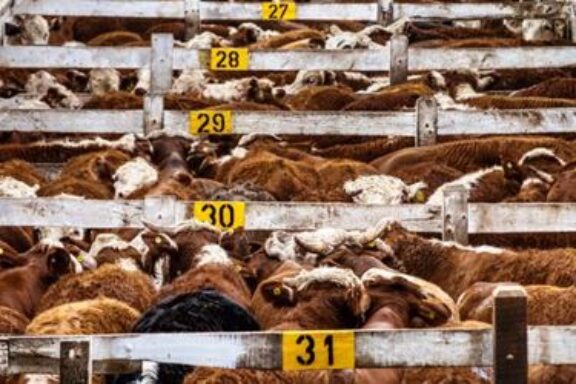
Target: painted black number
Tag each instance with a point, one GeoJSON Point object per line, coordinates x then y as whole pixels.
{"type": "Point", "coordinates": [230, 60]}
{"type": "Point", "coordinates": [311, 356]}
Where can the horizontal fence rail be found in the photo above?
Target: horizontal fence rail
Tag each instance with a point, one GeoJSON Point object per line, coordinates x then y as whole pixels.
{"type": "Point", "coordinates": [419, 59]}
{"type": "Point", "coordinates": [393, 123]}
{"type": "Point", "coordinates": [482, 217]}
{"type": "Point", "coordinates": [177, 9]}
{"type": "Point", "coordinates": [263, 350]}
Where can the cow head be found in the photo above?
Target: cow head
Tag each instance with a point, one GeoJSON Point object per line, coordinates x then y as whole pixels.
{"type": "Point", "coordinates": [425, 303]}
{"type": "Point", "coordinates": [28, 30]}
{"type": "Point", "coordinates": [103, 80]}
{"type": "Point", "coordinates": [54, 258]}
{"type": "Point", "coordinates": [306, 79]}
{"type": "Point", "coordinates": [543, 30]}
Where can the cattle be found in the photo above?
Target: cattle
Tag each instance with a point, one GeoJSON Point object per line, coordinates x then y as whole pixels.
{"type": "Point", "coordinates": [455, 267]}
{"type": "Point", "coordinates": [28, 30]}
{"type": "Point", "coordinates": [129, 286]}
{"type": "Point", "coordinates": [203, 311]}
{"type": "Point", "coordinates": [23, 287]}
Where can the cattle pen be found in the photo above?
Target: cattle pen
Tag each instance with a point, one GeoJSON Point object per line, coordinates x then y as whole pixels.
{"type": "Point", "coordinates": [508, 348]}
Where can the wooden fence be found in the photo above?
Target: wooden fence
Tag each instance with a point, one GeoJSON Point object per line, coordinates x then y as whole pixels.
{"type": "Point", "coordinates": [508, 348]}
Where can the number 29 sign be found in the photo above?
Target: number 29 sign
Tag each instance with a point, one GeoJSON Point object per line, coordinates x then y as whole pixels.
{"type": "Point", "coordinates": [304, 350]}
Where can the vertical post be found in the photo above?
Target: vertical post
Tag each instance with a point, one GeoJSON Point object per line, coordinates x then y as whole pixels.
{"type": "Point", "coordinates": [5, 14]}
{"type": "Point", "coordinates": [398, 59]}
{"type": "Point", "coordinates": [160, 210]}
{"type": "Point", "coordinates": [455, 215]}
{"type": "Point", "coordinates": [75, 364]}
{"type": "Point", "coordinates": [427, 121]}
{"type": "Point", "coordinates": [4, 357]}
{"type": "Point", "coordinates": [510, 335]}
{"type": "Point", "coordinates": [161, 61]}
{"type": "Point", "coordinates": [192, 18]}
{"type": "Point", "coordinates": [385, 12]}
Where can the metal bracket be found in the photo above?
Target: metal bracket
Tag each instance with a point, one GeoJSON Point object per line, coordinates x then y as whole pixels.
{"type": "Point", "coordinates": [160, 210]}
{"type": "Point", "coordinates": [192, 18]}
{"type": "Point", "coordinates": [398, 59]}
{"type": "Point", "coordinates": [455, 215]}
{"type": "Point", "coordinates": [75, 363]}
{"type": "Point", "coordinates": [161, 64]}
{"type": "Point", "coordinates": [427, 121]}
{"type": "Point", "coordinates": [509, 320]}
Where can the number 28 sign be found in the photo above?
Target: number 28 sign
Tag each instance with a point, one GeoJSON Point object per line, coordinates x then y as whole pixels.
{"type": "Point", "coordinates": [303, 350]}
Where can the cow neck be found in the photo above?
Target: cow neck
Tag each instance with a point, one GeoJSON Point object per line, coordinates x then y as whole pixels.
{"type": "Point", "coordinates": [388, 311]}
{"type": "Point", "coordinates": [419, 256]}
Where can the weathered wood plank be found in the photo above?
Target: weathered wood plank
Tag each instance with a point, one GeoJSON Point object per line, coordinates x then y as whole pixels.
{"type": "Point", "coordinates": [519, 217]}
{"type": "Point", "coordinates": [175, 9]}
{"type": "Point", "coordinates": [66, 121]}
{"type": "Point", "coordinates": [351, 60]}
{"type": "Point", "coordinates": [464, 11]}
{"type": "Point", "coordinates": [423, 59]}
{"type": "Point", "coordinates": [527, 121]}
{"type": "Point", "coordinates": [259, 216]}
{"type": "Point", "coordinates": [73, 57]}
{"type": "Point", "coordinates": [68, 212]}
{"type": "Point", "coordinates": [310, 123]}
{"type": "Point", "coordinates": [436, 347]}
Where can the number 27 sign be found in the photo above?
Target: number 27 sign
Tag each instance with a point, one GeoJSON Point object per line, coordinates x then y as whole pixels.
{"type": "Point", "coordinates": [303, 350]}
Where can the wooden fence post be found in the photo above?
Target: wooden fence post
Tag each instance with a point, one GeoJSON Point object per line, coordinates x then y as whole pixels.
{"type": "Point", "coordinates": [385, 12]}
{"type": "Point", "coordinates": [192, 18]}
{"type": "Point", "coordinates": [75, 364]}
{"type": "Point", "coordinates": [510, 335]}
{"type": "Point", "coordinates": [427, 121]}
{"type": "Point", "coordinates": [455, 215]}
{"type": "Point", "coordinates": [161, 64]}
{"type": "Point", "coordinates": [398, 59]}
{"type": "Point", "coordinates": [572, 21]}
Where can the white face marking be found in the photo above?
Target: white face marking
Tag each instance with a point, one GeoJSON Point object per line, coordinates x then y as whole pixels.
{"type": "Point", "coordinates": [189, 81]}
{"type": "Point", "coordinates": [540, 30]}
{"type": "Point", "coordinates": [261, 34]}
{"type": "Point", "coordinates": [10, 187]}
{"type": "Point", "coordinates": [338, 276]}
{"type": "Point", "coordinates": [377, 189]}
{"type": "Point", "coordinates": [144, 78]}
{"type": "Point", "coordinates": [103, 81]}
{"type": "Point", "coordinates": [205, 40]}
{"type": "Point", "coordinates": [132, 176]}
{"type": "Point", "coordinates": [212, 254]}
{"type": "Point", "coordinates": [35, 30]}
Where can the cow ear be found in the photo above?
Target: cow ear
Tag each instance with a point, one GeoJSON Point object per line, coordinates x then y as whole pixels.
{"type": "Point", "coordinates": [59, 262]}
{"type": "Point", "coordinates": [278, 293]}
{"type": "Point", "coordinates": [12, 29]}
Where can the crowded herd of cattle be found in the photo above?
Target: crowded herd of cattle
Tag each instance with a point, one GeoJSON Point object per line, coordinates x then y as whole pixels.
{"type": "Point", "coordinates": [197, 278]}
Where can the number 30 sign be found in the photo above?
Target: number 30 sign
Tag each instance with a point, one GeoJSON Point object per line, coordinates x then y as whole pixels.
{"type": "Point", "coordinates": [226, 215]}
{"type": "Point", "coordinates": [302, 350]}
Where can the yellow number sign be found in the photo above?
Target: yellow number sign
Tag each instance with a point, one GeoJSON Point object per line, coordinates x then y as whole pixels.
{"type": "Point", "coordinates": [210, 122]}
{"type": "Point", "coordinates": [302, 350]}
{"type": "Point", "coordinates": [283, 10]}
{"type": "Point", "coordinates": [225, 215]}
{"type": "Point", "coordinates": [229, 59]}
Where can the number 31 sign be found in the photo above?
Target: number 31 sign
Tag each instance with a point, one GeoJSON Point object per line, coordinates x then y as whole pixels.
{"type": "Point", "coordinates": [302, 350]}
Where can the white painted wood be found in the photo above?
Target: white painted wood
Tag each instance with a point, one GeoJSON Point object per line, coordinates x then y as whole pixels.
{"type": "Point", "coordinates": [522, 217]}
{"type": "Point", "coordinates": [112, 8]}
{"type": "Point", "coordinates": [71, 213]}
{"type": "Point", "coordinates": [420, 59]}
{"type": "Point", "coordinates": [175, 9]}
{"type": "Point", "coordinates": [67, 121]}
{"type": "Point", "coordinates": [74, 57]}
{"type": "Point", "coordinates": [310, 123]}
{"type": "Point", "coordinates": [309, 216]}
{"type": "Point", "coordinates": [483, 218]}
{"type": "Point", "coordinates": [412, 348]}
{"type": "Point", "coordinates": [259, 216]}
{"type": "Point", "coordinates": [434, 347]}
{"type": "Point", "coordinates": [526, 121]}
{"type": "Point", "coordinates": [423, 59]}
{"type": "Point", "coordinates": [464, 11]}
{"type": "Point", "coordinates": [350, 60]}
{"type": "Point", "coordinates": [394, 123]}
